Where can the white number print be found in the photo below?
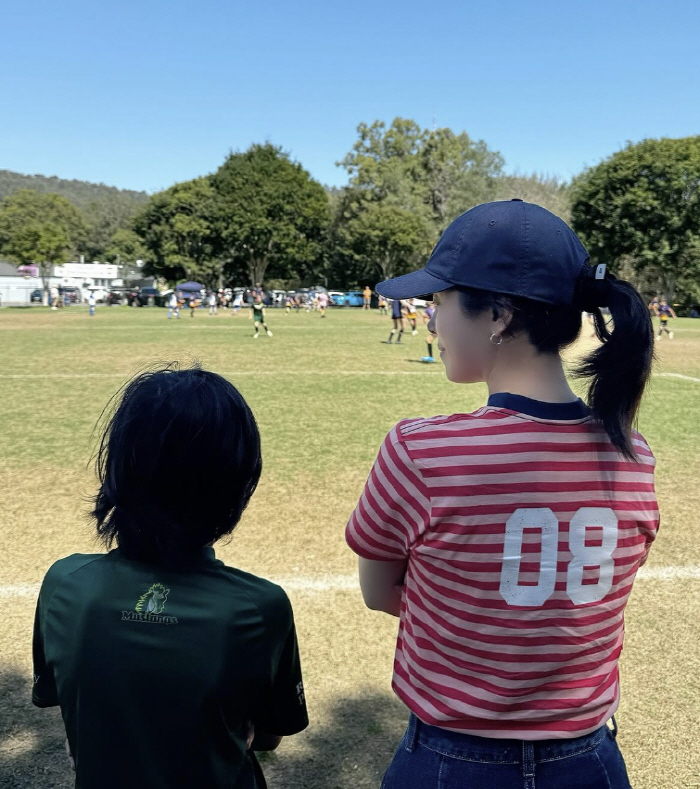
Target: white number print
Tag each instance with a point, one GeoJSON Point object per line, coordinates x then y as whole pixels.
{"type": "Point", "coordinates": [591, 555]}
{"type": "Point", "coordinates": [512, 592]}
{"type": "Point", "coordinates": [602, 518]}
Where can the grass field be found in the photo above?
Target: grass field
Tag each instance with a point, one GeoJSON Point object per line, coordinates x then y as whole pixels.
{"type": "Point", "coordinates": [324, 392]}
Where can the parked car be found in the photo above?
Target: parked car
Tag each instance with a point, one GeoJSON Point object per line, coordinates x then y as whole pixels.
{"type": "Point", "coordinates": [36, 296]}
{"type": "Point", "coordinates": [70, 294]}
{"type": "Point", "coordinates": [148, 297]}
{"type": "Point", "coordinates": [121, 296]}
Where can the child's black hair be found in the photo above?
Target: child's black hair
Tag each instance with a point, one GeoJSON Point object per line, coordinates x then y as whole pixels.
{"type": "Point", "coordinates": [618, 369]}
{"type": "Point", "coordinates": [177, 464]}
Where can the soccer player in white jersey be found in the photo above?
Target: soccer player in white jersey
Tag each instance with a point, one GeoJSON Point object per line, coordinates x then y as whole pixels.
{"type": "Point", "coordinates": [507, 540]}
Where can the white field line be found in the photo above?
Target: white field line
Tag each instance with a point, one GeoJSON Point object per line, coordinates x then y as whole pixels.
{"type": "Point", "coordinates": [344, 583]}
{"type": "Point", "coordinates": [232, 374]}
{"type": "Point", "coordinates": [293, 372]}
{"type": "Point", "coordinates": [677, 375]}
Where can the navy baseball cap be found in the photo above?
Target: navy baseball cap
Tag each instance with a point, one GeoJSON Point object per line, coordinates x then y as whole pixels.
{"type": "Point", "coordinates": [509, 246]}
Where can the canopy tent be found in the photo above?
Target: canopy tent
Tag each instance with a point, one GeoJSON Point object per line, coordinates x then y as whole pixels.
{"type": "Point", "coordinates": [190, 286]}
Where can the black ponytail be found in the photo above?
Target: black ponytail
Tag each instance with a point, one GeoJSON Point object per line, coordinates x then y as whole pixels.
{"type": "Point", "coordinates": [620, 367]}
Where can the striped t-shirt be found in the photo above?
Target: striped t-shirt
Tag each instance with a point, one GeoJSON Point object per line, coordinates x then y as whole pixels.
{"type": "Point", "coordinates": [523, 529]}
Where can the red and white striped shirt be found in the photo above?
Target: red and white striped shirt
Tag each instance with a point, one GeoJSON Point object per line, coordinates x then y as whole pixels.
{"type": "Point", "coordinates": [523, 529]}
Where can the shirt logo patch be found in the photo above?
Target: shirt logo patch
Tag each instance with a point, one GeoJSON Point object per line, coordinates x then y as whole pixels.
{"type": "Point", "coordinates": [149, 607]}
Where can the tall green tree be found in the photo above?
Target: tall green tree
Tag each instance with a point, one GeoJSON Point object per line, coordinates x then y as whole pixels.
{"type": "Point", "coordinates": [104, 218]}
{"type": "Point", "coordinates": [272, 216]}
{"type": "Point", "coordinates": [372, 241]}
{"type": "Point", "coordinates": [418, 178]}
{"type": "Point", "coordinates": [178, 230]}
{"type": "Point", "coordinates": [436, 173]}
{"type": "Point", "coordinates": [639, 211]}
{"type": "Point", "coordinates": [549, 192]}
{"type": "Point", "coordinates": [40, 229]}
{"type": "Point", "coordinates": [125, 246]}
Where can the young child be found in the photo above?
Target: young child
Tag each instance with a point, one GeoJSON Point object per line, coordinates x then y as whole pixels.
{"type": "Point", "coordinates": [91, 303]}
{"type": "Point", "coordinates": [507, 540]}
{"type": "Point", "coordinates": [428, 313]}
{"type": "Point", "coordinates": [398, 322]}
{"type": "Point", "coordinates": [257, 310]}
{"type": "Point", "coordinates": [170, 668]}
{"type": "Point", "coordinates": [664, 311]}
{"type": "Point", "coordinates": [412, 316]}
{"type": "Point", "coordinates": [173, 306]}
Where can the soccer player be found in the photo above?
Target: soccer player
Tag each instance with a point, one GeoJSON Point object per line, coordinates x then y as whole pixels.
{"type": "Point", "coordinates": [212, 303]}
{"type": "Point", "coordinates": [170, 667]}
{"type": "Point", "coordinates": [398, 323]}
{"type": "Point", "coordinates": [412, 316]}
{"type": "Point", "coordinates": [173, 306]}
{"type": "Point", "coordinates": [322, 300]}
{"type": "Point", "coordinates": [91, 303]}
{"type": "Point", "coordinates": [381, 304]}
{"type": "Point", "coordinates": [428, 313]}
{"type": "Point", "coordinates": [664, 311]}
{"type": "Point", "coordinates": [507, 540]}
{"type": "Point", "coordinates": [366, 297]}
{"type": "Point", "coordinates": [257, 313]}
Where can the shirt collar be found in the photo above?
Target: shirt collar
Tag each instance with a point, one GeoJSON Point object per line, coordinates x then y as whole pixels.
{"type": "Point", "coordinates": [576, 409]}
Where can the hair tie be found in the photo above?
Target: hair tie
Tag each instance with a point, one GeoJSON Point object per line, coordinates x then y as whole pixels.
{"type": "Point", "coordinates": [593, 289]}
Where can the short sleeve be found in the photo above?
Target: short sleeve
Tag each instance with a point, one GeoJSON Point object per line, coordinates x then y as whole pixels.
{"type": "Point", "coordinates": [284, 712]}
{"type": "Point", "coordinates": [394, 509]}
{"type": "Point", "coordinates": [44, 693]}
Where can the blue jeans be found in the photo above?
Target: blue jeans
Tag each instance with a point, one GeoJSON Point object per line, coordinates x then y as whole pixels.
{"type": "Point", "coordinates": [432, 758]}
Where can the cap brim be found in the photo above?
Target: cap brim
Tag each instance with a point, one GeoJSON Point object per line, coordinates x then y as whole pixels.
{"type": "Point", "coordinates": [410, 286]}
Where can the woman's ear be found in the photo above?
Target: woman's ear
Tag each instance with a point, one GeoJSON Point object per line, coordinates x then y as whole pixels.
{"type": "Point", "coordinates": [501, 318]}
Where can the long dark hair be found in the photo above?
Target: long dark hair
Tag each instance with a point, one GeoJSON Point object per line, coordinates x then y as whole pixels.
{"type": "Point", "coordinates": [618, 369]}
{"type": "Point", "coordinates": [177, 463]}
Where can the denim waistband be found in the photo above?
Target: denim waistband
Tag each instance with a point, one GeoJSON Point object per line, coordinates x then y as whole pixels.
{"type": "Point", "coordinates": [498, 751]}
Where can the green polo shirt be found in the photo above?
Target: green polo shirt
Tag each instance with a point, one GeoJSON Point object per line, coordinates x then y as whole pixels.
{"type": "Point", "coordinates": [158, 672]}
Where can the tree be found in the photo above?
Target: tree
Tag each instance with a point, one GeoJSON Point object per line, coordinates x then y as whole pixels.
{"type": "Point", "coordinates": [384, 241]}
{"type": "Point", "coordinates": [457, 174]}
{"type": "Point", "coordinates": [178, 230]}
{"type": "Point", "coordinates": [435, 173]}
{"type": "Point", "coordinates": [270, 214]}
{"type": "Point", "coordinates": [40, 229]}
{"type": "Point", "coordinates": [550, 193]}
{"type": "Point", "coordinates": [639, 211]}
{"type": "Point", "coordinates": [125, 245]}
{"type": "Point", "coordinates": [406, 185]}
{"type": "Point", "coordinates": [105, 218]}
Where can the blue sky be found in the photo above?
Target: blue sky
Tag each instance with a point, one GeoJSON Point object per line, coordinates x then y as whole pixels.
{"type": "Point", "coordinates": [144, 94]}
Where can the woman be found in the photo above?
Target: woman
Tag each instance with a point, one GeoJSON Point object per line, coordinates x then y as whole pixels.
{"type": "Point", "coordinates": [507, 540]}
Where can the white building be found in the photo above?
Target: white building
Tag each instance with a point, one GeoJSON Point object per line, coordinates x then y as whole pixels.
{"type": "Point", "coordinates": [17, 287]}
{"type": "Point", "coordinates": [85, 274]}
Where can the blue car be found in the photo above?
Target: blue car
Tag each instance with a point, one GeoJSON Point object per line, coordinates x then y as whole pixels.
{"type": "Point", "coordinates": [352, 298]}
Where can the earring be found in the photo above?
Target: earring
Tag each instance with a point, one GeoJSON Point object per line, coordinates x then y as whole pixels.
{"type": "Point", "coordinates": [498, 337]}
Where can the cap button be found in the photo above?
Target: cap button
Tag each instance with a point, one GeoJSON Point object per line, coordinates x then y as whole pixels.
{"type": "Point", "coordinates": [516, 200]}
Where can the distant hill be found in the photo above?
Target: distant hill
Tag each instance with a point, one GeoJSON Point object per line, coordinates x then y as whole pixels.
{"type": "Point", "coordinates": [80, 193]}
{"type": "Point", "coordinates": [106, 209]}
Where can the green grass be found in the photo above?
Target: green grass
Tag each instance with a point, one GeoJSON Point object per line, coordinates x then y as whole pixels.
{"type": "Point", "coordinates": [324, 391]}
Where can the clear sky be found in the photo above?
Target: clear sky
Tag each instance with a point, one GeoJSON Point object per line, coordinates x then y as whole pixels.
{"type": "Point", "coordinates": [143, 94]}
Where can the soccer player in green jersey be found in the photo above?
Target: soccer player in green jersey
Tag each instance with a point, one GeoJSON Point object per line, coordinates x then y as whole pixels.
{"type": "Point", "coordinates": [258, 316]}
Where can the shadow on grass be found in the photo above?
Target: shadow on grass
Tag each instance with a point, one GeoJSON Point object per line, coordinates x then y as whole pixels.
{"type": "Point", "coordinates": [351, 751]}
{"type": "Point", "coordinates": [31, 739]}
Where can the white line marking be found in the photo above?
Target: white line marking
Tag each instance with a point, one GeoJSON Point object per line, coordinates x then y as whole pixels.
{"type": "Point", "coordinates": [677, 375]}
{"type": "Point", "coordinates": [293, 372]}
{"type": "Point", "coordinates": [232, 374]}
{"type": "Point", "coordinates": [344, 583]}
